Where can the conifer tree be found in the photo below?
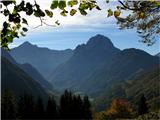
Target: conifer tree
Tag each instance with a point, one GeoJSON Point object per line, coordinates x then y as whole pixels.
{"type": "Point", "coordinates": [39, 109]}
{"type": "Point", "coordinates": [51, 109]}
{"type": "Point", "coordinates": [77, 107]}
{"type": "Point", "coordinates": [87, 108]}
{"type": "Point", "coordinates": [8, 106]}
{"type": "Point", "coordinates": [73, 107]}
{"type": "Point", "coordinates": [21, 107]}
{"type": "Point", "coordinates": [143, 108]}
{"type": "Point", "coordinates": [26, 107]}
{"type": "Point", "coordinates": [66, 105]}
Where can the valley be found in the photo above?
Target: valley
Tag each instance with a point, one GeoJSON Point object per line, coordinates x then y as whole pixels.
{"type": "Point", "coordinates": [97, 69]}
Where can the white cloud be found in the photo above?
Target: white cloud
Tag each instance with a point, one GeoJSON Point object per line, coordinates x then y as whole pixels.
{"type": "Point", "coordinates": [93, 20]}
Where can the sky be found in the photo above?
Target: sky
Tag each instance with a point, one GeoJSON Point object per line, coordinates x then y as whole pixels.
{"type": "Point", "coordinates": [78, 29]}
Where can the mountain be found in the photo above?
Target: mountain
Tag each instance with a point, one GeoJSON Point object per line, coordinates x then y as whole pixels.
{"type": "Point", "coordinates": [146, 83]}
{"type": "Point", "coordinates": [86, 58]}
{"type": "Point", "coordinates": [16, 80]}
{"type": "Point", "coordinates": [97, 65]}
{"type": "Point", "coordinates": [124, 66]}
{"type": "Point", "coordinates": [30, 70]}
{"type": "Point", "coordinates": [6, 54]}
{"type": "Point", "coordinates": [43, 59]}
{"type": "Point", "coordinates": [158, 54]}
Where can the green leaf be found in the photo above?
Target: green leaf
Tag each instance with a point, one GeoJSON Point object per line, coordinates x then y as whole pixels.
{"type": "Point", "coordinates": [157, 3]}
{"type": "Point", "coordinates": [117, 13]}
{"type": "Point", "coordinates": [110, 13]}
{"type": "Point", "coordinates": [72, 12]}
{"type": "Point", "coordinates": [11, 18]}
{"type": "Point", "coordinates": [71, 3]}
{"type": "Point", "coordinates": [57, 22]}
{"type": "Point", "coordinates": [24, 21]}
{"type": "Point", "coordinates": [107, 1]}
{"type": "Point", "coordinates": [49, 13]}
{"type": "Point", "coordinates": [24, 29]}
{"type": "Point", "coordinates": [21, 6]}
{"type": "Point", "coordinates": [92, 5]}
{"type": "Point", "coordinates": [17, 20]}
{"type": "Point", "coordinates": [22, 33]}
{"type": "Point", "coordinates": [29, 8]}
{"type": "Point", "coordinates": [62, 4]}
{"type": "Point", "coordinates": [83, 6]}
{"type": "Point", "coordinates": [14, 34]}
{"type": "Point", "coordinates": [83, 12]}
{"type": "Point", "coordinates": [36, 13]}
{"type": "Point", "coordinates": [54, 4]}
{"type": "Point", "coordinates": [5, 45]}
{"type": "Point", "coordinates": [18, 26]}
{"type": "Point", "coordinates": [10, 39]}
{"type": "Point", "coordinates": [6, 12]}
{"type": "Point", "coordinates": [63, 13]}
{"type": "Point", "coordinates": [142, 15]}
{"type": "Point", "coordinates": [98, 8]}
{"type": "Point", "coordinates": [6, 3]}
{"type": "Point", "coordinates": [39, 13]}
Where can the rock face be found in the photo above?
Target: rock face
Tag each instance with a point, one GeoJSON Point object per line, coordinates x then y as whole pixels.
{"type": "Point", "coordinates": [96, 65]}
{"type": "Point", "coordinates": [43, 59]}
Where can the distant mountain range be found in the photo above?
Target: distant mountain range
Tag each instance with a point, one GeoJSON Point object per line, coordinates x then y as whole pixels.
{"type": "Point", "coordinates": [96, 68]}
{"type": "Point", "coordinates": [43, 59]}
{"type": "Point", "coordinates": [86, 58]}
{"type": "Point", "coordinates": [15, 79]}
{"type": "Point", "coordinates": [97, 65]}
{"type": "Point", "coordinates": [30, 70]}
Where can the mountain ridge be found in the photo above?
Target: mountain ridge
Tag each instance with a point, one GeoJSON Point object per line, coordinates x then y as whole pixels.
{"type": "Point", "coordinates": [100, 67]}
{"type": "Point", "coordinates": [16, 80]}
{"type": "Point", "coordinates": [145, 83]}
{"type": "Point", "coordinates": [43, 59]}
{"type": "Point", "coordinates": [29, 69]}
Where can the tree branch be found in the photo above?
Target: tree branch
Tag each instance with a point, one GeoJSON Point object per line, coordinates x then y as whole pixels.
{"type": "Point", "coordinates": [127, 7]}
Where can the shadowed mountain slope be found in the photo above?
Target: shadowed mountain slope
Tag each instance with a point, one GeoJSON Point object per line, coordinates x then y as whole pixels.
{"type": "Point", "coordinates": [43, 59]}
{"type": "Point", "coordinates": [97, 65]}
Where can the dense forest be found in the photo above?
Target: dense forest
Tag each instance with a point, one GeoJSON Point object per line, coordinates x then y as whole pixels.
{"type": "Point", "coordinates": [70, 106]}
{"type": "Point", "coordinates": [28, 107]}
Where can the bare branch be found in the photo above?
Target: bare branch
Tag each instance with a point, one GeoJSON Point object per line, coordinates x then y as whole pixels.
{"type": "Point", "coordinates": [127, 7]}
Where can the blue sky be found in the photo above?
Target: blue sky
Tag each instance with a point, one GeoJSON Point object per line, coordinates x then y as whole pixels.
{"type": "Point", "coordinates": [78, 29]}
{"type": "Point", "coordinates": [61, 40]}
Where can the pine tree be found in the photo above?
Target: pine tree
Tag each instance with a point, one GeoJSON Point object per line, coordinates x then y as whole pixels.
{"type": "Point", "coordinates": [87, 113]}
{"type": "Point", "coordinates": [77, 107]}
{"type": "Point", "coordinates": [66, 105]}
{"type": "Point", "coordinates": [39, 109]}
{"type": "Point", "coordinates": [26, 107]}
{"type": "Point", "coordinates": [8, 105]}
{"type": "Point", "coordinates": [73, 107]}
{"type": "Point", "coordinates": [143, 108]}
{"type": "Point", "coordinates": [21, 107]}
{"type": "Point", "coordinates": [52, 109]}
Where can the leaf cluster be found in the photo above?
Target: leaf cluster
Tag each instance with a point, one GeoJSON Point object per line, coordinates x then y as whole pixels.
{"type": "Point", "coordinates": [143, 15]}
